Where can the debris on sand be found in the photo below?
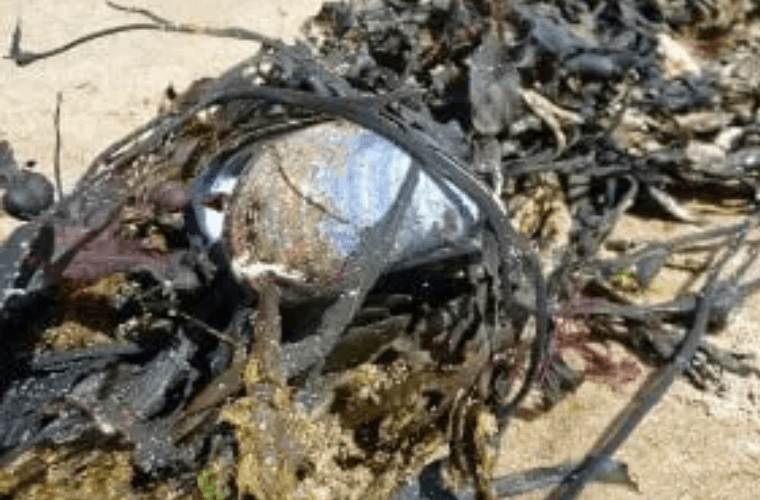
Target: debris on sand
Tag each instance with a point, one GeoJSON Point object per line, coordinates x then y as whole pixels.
{"type": "Point", "coordinates": [341, 268]}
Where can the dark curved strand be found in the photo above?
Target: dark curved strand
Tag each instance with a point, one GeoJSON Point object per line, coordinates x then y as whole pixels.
{"type": "Point", "coordinates": [429, 485]}
{"type": "Point", "coordinates": [22, 57]}
{"type": "Point", "coordinates": [57, 154]}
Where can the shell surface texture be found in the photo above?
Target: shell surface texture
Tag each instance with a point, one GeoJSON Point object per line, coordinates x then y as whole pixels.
{"type": "Point", "coordinates": [300, 203]}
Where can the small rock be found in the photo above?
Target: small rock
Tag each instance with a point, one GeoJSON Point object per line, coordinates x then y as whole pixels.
{"type": "Point", "coordinates": [705, 156]}
{"type": "Point", "coordinates": [728, 138]}
{"type": "Point", "coordinates": [703, 122]}
{"type": "Point", "coordinates": [676, 58]}
{"type": "Point", "coordinates": [29, 194]}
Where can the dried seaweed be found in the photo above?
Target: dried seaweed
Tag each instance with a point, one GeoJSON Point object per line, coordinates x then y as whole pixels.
{"type": "Point", "coordinates": [492, 104]}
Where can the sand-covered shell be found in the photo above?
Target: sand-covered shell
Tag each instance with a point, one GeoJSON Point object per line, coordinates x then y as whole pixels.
{"type": "Point", "coordinates": [299, 203]}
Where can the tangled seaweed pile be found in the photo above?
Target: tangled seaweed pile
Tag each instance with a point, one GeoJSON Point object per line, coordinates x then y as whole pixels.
{"type": "Point", "coordinates": [315, 270]}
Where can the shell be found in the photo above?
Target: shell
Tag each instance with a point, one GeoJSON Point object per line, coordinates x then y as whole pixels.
{"type": "Point", "coordinates": [300, 203]}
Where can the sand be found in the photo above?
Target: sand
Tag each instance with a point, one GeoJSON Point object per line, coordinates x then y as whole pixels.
{"type": "Point", "coordinates": [694, 445]}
